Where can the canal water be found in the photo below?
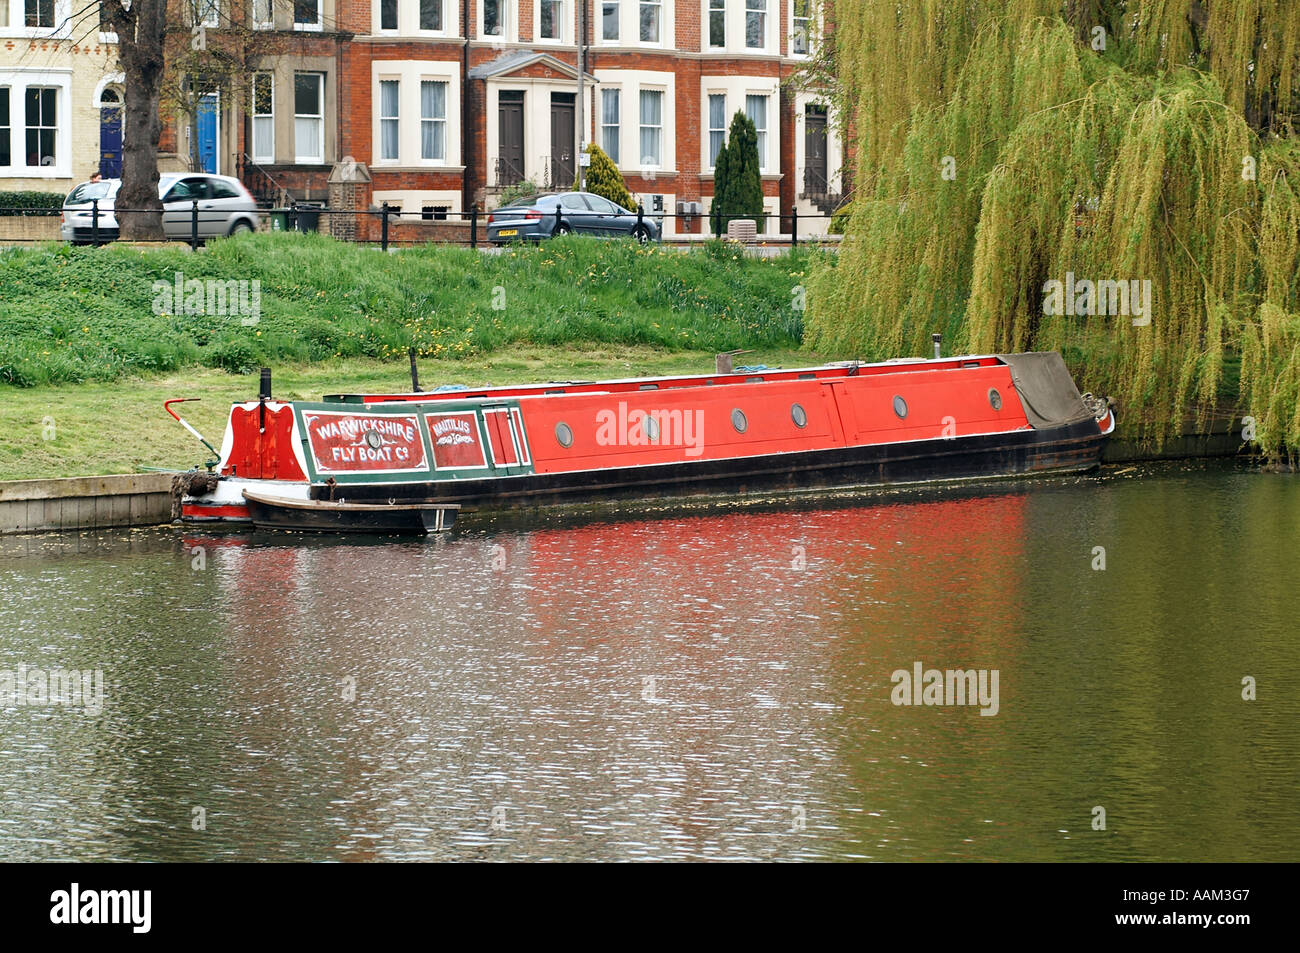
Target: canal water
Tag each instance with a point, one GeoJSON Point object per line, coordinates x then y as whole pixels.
{"type": "Point", "coordinates": [715, 684]}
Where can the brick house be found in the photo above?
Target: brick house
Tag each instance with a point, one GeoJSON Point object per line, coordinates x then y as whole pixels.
{"type": "Point", "coordinates": [447, 102]}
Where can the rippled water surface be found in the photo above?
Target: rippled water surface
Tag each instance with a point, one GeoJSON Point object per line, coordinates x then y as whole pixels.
{"type": "Point", "coordinates": [707, 685]}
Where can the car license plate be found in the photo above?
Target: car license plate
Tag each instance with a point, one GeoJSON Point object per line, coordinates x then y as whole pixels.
{"type": "Point", "coordinates": [507, 232]}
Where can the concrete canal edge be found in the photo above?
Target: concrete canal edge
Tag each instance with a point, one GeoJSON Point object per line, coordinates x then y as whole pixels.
{"type": "Point", "coordinates": [132, 499]}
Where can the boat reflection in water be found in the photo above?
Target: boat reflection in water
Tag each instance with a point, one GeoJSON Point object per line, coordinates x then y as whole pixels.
{"type": "Point", "coordinates": [711, 684]}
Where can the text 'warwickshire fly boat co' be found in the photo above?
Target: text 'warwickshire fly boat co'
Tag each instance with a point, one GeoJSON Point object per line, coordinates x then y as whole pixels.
{"type": "Point", "coordinates": [409, 462]}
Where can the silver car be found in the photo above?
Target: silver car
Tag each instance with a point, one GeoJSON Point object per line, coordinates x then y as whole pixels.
{"type": "Point", "coordinates": [225, 207]}
{"type": "Point", "coordinates": [584, 213]}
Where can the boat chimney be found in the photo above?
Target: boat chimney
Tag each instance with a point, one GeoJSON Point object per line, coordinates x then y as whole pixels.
{"type": "Point", "coordinates": [938, 342]}
{"type": "Point", "coordinates": [263, 395]}
{"type": "Point", "coordinates": [415, 373]}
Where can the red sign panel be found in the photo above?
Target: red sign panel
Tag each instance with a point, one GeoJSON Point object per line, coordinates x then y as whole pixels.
{"type": "Point", "coordinates": [457, 444]}
{"type": "Point", "coordinates": [358, 443]}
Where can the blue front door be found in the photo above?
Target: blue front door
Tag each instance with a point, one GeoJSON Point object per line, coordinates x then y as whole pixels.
{"type": "Point", "coordinates": [208, 133]}
{"type": "Point", "coordinates": [110, 142]}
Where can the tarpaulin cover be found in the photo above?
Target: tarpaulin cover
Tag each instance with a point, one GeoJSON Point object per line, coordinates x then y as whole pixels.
{"type": "Point", "coordinates": [1046, 389]}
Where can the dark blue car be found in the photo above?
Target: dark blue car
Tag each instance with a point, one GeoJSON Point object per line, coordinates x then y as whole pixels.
{"type": "Point", "coordinates": [580, 213]}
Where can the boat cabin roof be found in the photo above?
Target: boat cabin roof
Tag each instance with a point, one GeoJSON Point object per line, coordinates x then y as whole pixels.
{"type": "Point", "coordinates": [826, 372]}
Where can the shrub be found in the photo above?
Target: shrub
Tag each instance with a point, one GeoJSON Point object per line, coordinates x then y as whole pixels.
{"type": "Point", "coordinates": [737, 182]}
{"type": "Point", "coordinates": [31, 203]}
{"type": "Point", "coordinates": [604, 179]}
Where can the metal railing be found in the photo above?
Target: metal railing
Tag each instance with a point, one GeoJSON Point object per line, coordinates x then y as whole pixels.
{"type": "Point", "coordinates": [388, 226]}
{"type": "Point", "coordinates": [506, 173]}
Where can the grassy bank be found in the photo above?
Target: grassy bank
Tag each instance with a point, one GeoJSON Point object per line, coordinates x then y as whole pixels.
{"type": "Point", "coordinates": [117, 427]}
{"type": "Point", "coordinates": [74, 315]}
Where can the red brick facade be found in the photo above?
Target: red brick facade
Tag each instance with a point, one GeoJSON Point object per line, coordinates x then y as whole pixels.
{"type": "Point", "coordinates": [681, 66]}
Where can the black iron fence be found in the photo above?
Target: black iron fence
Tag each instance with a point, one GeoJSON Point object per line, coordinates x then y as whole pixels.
{"type": "Point", "coordinates": [388, 226]}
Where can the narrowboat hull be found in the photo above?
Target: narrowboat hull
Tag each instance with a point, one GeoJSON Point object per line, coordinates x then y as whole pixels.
{"type": "Point", "coordinates": [323, 516]}
{"type": "Point", "coordinates": [727, 434]}
{"type": "Point", "coordinates": [1071, 449]}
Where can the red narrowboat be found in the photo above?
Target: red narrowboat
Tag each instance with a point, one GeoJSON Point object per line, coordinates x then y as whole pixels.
{"type": "Point", "coordinates": [724, 434]}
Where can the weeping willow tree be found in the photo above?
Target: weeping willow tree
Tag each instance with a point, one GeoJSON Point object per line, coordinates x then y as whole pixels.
{"type": "Point", "coordinates": [1124, 151]}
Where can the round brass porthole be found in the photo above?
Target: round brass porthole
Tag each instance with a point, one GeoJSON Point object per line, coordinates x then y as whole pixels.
{"type": "Point", "coordinates": [900, 407]}
{"type": "Point", "coordinates": [564, 435]}
{"type": "Point", "coordinates": [650, 427]}
{"type": "Point", "coordinates": [799, 415]}
{"type": "Point", "coordinates": [373, 439]}
{"type": "Point", "coordinates": [995, 399]}
{"type": "Point", "coordinates": [738, 420]}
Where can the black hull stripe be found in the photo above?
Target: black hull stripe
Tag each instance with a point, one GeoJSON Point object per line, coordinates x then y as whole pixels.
{"type": "Point", "coordinates": [1071, 448]}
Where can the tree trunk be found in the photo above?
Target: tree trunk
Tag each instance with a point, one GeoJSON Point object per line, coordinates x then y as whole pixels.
{"type": "Point", "coordinates": [140, 33]}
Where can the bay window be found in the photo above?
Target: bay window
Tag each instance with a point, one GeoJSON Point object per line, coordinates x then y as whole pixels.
{"type": "Point", "coordinates": [609, 19]}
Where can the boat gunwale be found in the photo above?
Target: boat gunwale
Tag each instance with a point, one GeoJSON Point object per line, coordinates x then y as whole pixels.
{"type": "Point", "coordinates": [341, 506]}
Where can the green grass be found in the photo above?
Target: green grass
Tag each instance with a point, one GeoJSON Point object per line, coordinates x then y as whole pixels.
{"type": "Point", "coordinates": [118, 427]}
{"type": "Point", "coordinates": [77, 315]}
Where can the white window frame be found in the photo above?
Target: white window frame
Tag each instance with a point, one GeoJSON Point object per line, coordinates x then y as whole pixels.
{"type": "Point", "coordinates": [7, 93]}
{"type": "Point", "coordinates": [811, 21]}
{"type": "Point", "coordinates": [444, 30]}
{"type": "Point", "coordinates": [384, 120]}
{"type": "Point", "coordinates": [317, 26]}
{"type": "Point", "coordinates": [710, 8]}
{"type": "Point", "coordinates": [209, 11]}
{"type": "Point", "coordinates": [18, 81]}
{"type": "Point", "coordinates": [562, 19]}
{"type": "Point", "coordinates": [252, 111]}
{"type": "Point", "coordinates": [766, 13]}
{"type": "Point", "coordinates": [379, 17]}
{"type": "Point", "coordinates": [17, 25]}
{"type": "Point", "coordinates": [710, 129]}
{"type": "Point", "coordinates": [599, 32]}
{"type": "Point", "coordinates": [617, 93]}
{"type": "Point", "coordinates": [298, 156]}
{"type": "Point", "coordinates": [446, 99]}
{"type": "Point", "coordinates": [764, 138]}
{"type": "Point", "coordinates": [254, 18]}
{"type": "Point", "coordinates": [509, 24]}
{"type": "Point", "coordinates": [639, 6]}
{"type": "Point", "coordinates": [640, 127]}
